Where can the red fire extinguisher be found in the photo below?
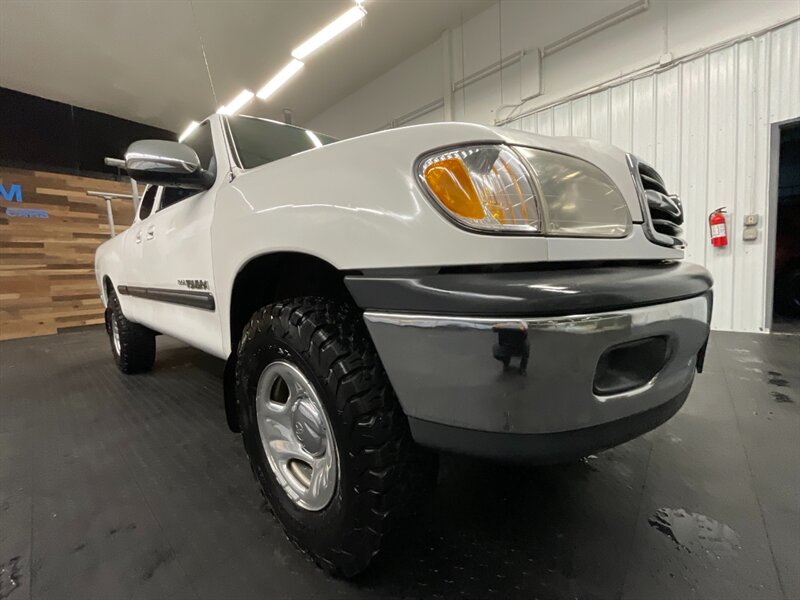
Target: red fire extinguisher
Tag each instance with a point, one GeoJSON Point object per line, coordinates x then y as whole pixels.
{"type": "Point", "coordinates": [718, 227]}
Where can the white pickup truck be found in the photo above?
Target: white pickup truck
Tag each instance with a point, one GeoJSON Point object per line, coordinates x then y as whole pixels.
{"type": "Point", "coordinates": [449, 286]}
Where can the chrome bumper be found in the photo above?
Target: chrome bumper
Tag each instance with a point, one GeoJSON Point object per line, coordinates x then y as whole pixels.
{"type": "Point", "coordinates": [539, 375]}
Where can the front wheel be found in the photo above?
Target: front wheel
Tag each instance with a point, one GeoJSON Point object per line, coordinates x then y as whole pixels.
{"type": "Point", "coordinates": [326, 437]}
{"type": "Point", "coordinates": [133, 345]}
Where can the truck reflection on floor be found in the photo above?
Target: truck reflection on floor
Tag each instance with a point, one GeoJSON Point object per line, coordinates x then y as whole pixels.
{"type": "Point", "coordinates": [512, 342]}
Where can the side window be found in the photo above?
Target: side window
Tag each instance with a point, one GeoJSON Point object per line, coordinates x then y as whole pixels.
{"type": "Point", "coordinates": [148, 199]}
{"type": "Point", "coordinates": [201, 142]}
{"type": "Point", "coordinates": [172, 196]}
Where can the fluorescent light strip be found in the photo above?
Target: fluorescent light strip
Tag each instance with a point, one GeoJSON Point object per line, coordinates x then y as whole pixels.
{"type": "Point", "coordinates": [237, 103]}
{"type": "Point", "coordinates": [284, 75]}
{"type": "Point", "coordinates": [192, 126]}
{"type": "Point", "coordinates": [330, 31]}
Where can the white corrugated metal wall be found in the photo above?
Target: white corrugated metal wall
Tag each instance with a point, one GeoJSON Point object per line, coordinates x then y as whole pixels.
{"type": "Point", "coordinates": [705, 125]}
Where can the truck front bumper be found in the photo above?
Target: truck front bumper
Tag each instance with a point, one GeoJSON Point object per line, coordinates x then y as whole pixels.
{"type": "Point", "coordinates": [547, 388]}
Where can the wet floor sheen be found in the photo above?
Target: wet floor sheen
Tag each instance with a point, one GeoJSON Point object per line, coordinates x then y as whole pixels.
{"type": "Point", "coordinates": [696, 533]}
{"type": "Point", "coordinates": [132, 487]}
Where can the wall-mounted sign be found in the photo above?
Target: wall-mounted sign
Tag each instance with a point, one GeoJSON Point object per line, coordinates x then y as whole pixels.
{"type": "Point", "coordinates": [14, 194]}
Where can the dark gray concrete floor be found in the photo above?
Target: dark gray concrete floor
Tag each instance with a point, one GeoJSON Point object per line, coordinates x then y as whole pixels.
{"type": "Point", "coordinates": [781, 324]}
{"type": "Point", "coordinates": [132, 488]}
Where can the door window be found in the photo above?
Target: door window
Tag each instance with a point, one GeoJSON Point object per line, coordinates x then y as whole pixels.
{"type": "Point", "coordinates": [148, 199]}
{"type": "Point", "coordinates": [202, 142]}
{"type": "Point", "coordinates": [172, 196]}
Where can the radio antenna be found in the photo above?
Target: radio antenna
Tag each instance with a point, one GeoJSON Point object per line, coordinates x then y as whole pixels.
{"type": "Point", "coordinates": [203, 49]}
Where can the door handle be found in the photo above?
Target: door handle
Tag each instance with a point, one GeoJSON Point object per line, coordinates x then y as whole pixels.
{"type": "Point", "coordinates": [151, 232]}
{"type": "Point", "coordinates": [139, 237]}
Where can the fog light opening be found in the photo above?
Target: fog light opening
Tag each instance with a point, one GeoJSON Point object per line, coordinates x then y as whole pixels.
{"type": "Point", "coordinates": [630, 365]}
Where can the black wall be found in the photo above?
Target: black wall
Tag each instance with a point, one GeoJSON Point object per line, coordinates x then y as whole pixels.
{"type": "Point", "coordinates": [43, 134]}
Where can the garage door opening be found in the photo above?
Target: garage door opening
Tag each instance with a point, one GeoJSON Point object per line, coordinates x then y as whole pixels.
{"type": "Point", "coordinates": [786, 290]}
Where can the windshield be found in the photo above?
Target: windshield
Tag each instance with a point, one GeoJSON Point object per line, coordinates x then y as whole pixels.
{"type": "Point", "coordinates": [259, 141]}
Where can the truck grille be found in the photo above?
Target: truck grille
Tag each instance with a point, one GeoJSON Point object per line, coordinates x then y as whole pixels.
{"type": "Point", "coordinates": [664, 211]}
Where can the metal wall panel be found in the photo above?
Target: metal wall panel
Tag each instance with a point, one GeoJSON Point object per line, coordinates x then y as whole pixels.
{"type": "Point", "coordinates": [784, 52]}
{"type": "Point", "coordinates": [545, 121]}
{"type": "Point", "coordinates": [694, 157]}
{"type": "Point", "coordinates": [562, 119]}
{"type": "Point", "coordinates": [705, 125]}
{"type": "Point", "coordinates": [580, 117]}
{"type": "Point", "coordinates": [621, 121]}
{"type": "Point", "coordinates": [601, 117]}
{"type": "Point", "coordinates": [748, 260]}
{"type": "Point", "coordinates": [721, 174]}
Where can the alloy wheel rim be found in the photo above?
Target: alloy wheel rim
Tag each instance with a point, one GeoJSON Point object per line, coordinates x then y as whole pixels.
{"type": "Point", "coordinates": [115, 336]}
{"type": "Point", "coordinates": [297, 436]}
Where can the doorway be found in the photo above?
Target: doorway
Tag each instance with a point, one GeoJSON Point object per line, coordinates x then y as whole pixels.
{"type": "Point", "coordinates": [786, 288]}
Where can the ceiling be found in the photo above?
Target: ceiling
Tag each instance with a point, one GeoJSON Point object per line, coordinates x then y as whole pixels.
{"type": "Point", "coordinates": [142, 59]}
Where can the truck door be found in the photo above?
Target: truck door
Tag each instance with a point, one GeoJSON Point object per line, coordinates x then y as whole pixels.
{"type": "Point", "coordinates": [134, 273]}
{"type": "Point", "coordinates": [176, 257]}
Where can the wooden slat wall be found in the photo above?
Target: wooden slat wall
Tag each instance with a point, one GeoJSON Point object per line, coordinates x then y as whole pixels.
{"type": "Point", "coordinates": [47, 265]}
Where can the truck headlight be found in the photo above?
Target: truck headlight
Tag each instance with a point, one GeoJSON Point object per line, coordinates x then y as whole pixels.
{"type": "Point", "coordinates": [578, 198]}
{"type": "Point", "coordinates": [483, 187]}
{"type": "Point", "coordinates": [489, 188]}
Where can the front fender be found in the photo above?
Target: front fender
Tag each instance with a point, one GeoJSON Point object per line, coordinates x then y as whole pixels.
{"type": "Point", "coordinates": [109, 262]}
{"type": "Point", "coordinates": [357, 205]}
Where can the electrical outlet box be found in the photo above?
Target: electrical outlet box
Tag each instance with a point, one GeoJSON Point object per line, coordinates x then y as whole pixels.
{"type": "Point", "coordinates": [750, 234]}
{"type": "Point", "coordinates": [750, 220]}
{"type": "Point", "coordinates": [531, 74]}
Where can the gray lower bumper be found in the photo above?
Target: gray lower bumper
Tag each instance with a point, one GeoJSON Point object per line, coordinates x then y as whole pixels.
{"type": "Point", "coordinates": [543, 448]}
{"type": "Point", "coordinates": [540, 375]}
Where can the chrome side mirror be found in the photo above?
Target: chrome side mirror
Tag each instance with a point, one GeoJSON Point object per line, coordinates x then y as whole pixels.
{"type": "Point", "coordinates": [171, 164]}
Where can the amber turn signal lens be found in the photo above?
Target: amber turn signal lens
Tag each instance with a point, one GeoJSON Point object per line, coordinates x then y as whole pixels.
{"type": "Point", "coordinates": [450, 182]}
{"type": "Point", "coordinates": [483, 187]}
